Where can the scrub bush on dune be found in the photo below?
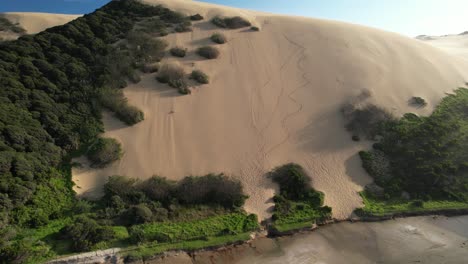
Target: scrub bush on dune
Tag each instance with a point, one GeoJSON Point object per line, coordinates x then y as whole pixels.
{"type": "Point", "coordinates": [208, 52]}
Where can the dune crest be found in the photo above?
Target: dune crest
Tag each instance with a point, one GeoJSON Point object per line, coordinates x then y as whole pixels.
{"type": "Point", "coordinates": [274, 97]}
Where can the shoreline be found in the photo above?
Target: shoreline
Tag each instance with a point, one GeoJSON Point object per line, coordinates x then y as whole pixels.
{"type": "Point", "coordinates": [116, 256]}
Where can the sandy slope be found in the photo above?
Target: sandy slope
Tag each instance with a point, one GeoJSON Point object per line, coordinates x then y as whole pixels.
{"type": "Point", "coordinates": [35, 22]}
{"type": "Point", "coordinates": [274, 98]}
{"type": "Point", "coordinates": [456, 45]}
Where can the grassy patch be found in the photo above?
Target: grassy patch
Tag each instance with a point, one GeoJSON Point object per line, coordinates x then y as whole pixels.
{"type": "Point", "coordinates": [379, 207]}
{"type": "Point", "coordinates": [149, 250]}
{"type": "Point", "coordinates": [228, 224]}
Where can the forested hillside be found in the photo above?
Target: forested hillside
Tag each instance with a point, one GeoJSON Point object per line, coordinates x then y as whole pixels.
{"type": "Point", "coordinates": [51, 90]}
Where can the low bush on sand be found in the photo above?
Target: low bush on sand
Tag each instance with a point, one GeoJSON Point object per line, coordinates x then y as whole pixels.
{"type": "Point", "coordinates": [218, 38]}
{"type": "Point", "coordinates": [184, 27]}
{"type": "Point", "coordinates": [208, 52]}
{"type": "Point", "coordinates": [170, 72]}
{"type": "Point", "coordinates": [104, 151]}
{"type": "Point", "coordinates": [231, 22]}
{"type": "Point", "coordinates": [365, 120]}
{"type": "Point", "coordinates": [255, 29]}
{"type": "Point", "coordinates": [418, 101]}
{"type": "Point", "coordinates": [196, 17]}
{"type": "Point", "coordinates": [199, 77]}
{"type": "Point", "coordinates": [178, 52]}
{"type": "Point", "coordinates": [115, 101]}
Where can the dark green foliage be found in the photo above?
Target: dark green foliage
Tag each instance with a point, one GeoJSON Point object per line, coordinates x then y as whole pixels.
{"type": "Point", "coordinates": [6, 25]}
{"type": "Point", "coordinates": [158, 189]}
{"type": "Point", "coordinates": [115, 101]}
{"type": "Point", "coordinates": [231, 22]}
{"type": "Point", "coordinates": [255, 29]}
{"type": "Point", "coordinates": [211, 189]}
{"type": "Point", "coordinates": [426, 155]}
{"type": "Point", "coordinates": [196, 17]}
{"type": "Point", "coordinates": [84, 233]}
{"type": "Point", "coordinates": [151, 68]}
{"type": "Point", "coordinates": [178, 52]}
{"type": "Point", "coordinates": [141, 214]}
{"type": "Point", "coordinates": [200, 77]}
{"type": "Point", "coordinates": [365, 121]}
{"type": "Point", "coordinates": [417, 101]}
{"type": "Point", "coordinates": [104, 151]}
{"type": "Point", "coordinates": [218, 38]}
{"type": "Point", "coordinates": [208, 52]}
{"type": "Point", "coordinates": [298, 202]}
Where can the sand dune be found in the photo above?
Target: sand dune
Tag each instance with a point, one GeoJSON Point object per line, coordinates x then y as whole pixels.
{"type": "Point", "coordinates": [456, 45]}
{"type": "Point", "coordinates": [34, 22]}
{"type": "Point", "coordinates": [275, 97]}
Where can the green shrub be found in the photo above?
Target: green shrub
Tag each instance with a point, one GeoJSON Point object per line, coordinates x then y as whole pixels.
{"type": "Point", "coordinates": [231, 22]}
{"type": "Point", "coordinates": [178, 52]}
{"type": "Point", "coordinates": [200, 77]}
{"type": "Point", "coordinates": [255, 29]}
{"type": "Point", "coordinates": [218, 38]}
{"type": "Point", "coordinates": [151, 68]}
{"type": "Point", "coordinates": [158, 189]}
{"type": "Point", "coordinates": [114, 100]}
{"type": "Point", "coordinates": [367, 120]}
{"type": "Point", "coordinates": [183, 27]}
{"type": "Point", "coordinates": [170, 73]}
{"type": "Point", "coordinates": [104, 151]}
{"type": "Point", "coordinates": [184, 90]}
{"type": "Point", "coordinates": [418, 102]}
{"type": "Point", "coordinates": [208, 52]}
{"type": "Point", "coordinates": [196, 17]}
{"type": "Point", "coordinates": [84, 233]}
{"type": "Point", "coordinates": [210, 189]}
{"type": "Point", "coordinates": [141, 214]}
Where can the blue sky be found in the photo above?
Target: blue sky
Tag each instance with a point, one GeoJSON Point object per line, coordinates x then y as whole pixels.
{"type": "Point", "coordinates": [409, 17]}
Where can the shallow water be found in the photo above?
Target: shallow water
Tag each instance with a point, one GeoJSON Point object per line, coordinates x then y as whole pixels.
{"type": "Point", "coordinates": [409, 240]}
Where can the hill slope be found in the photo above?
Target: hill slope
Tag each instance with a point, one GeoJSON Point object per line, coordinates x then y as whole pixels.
{"type": "Point", "coordinates": [34, 22]}
{"type": "Point", "coordinates": [275, 97]}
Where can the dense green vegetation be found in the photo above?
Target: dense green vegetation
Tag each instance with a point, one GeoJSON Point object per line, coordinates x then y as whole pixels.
{"type": "Point", "coordinates": [54, 86]}
{"type": "Point", "coordinates": [200, 77]}
{"type": "Point", "coordinates": [104, 151]}
{"type": "Point", "coordinates": [208, 52]}
{"type": "Point", "coordinates": [6, 25]}
{"type": "Point", "coordinates": [218, 38]}
{"type": "Point", "coordinates": [231, 22]}
{"type": "Point", "coordinates": [297, 205]}
{"type": "Point", "coordinates": [421, 158]}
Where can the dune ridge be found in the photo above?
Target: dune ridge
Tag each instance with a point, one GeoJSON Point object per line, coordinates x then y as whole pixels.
{"type": "Point", "coordinates": [274, 97]}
